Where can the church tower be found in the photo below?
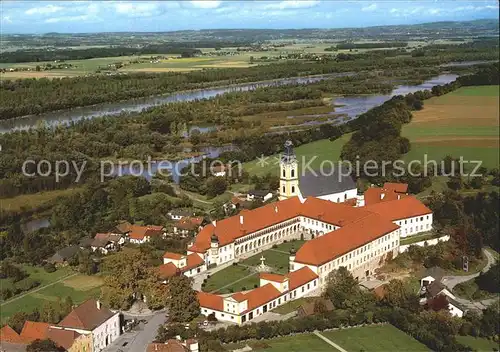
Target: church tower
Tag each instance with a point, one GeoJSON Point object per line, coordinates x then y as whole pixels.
{"type": "Point", "coordinates": [289, 175]}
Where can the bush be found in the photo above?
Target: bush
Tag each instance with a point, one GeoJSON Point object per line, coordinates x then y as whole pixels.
{"type": "Point", "coordinates": [275, 246]}
{"type": "Point", "coordinates": [255, 286]}
{"type": "Point", "coordinates": [26, 284]}
{"type": "Point", "coordinates": [243, 288]}
{"type": "Point", "coordinates": [5, 293]}
{"type": "Point", "coordinates": [49, 267]}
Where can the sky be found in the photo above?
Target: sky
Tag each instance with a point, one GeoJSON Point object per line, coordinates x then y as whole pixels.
{"type": "Point", "coordinates": [153, 16]}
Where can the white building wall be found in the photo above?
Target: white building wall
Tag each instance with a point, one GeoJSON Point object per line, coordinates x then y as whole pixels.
{"type": "Point", "coordinates": [106, 333]}
{"type": "Point", "coordinates": [455, 311]}
{"type": "Point", "coordinates": [414, 225]}
{"type": "Point", "coordinates": [341, 196]}
{"type": "Point", "coordinates": [229, 316]}
{"type": "Point", "coordinates": [359, 260]}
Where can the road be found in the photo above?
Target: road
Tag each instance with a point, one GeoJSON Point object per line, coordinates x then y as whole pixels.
{"type": "Point", "coordinates": [37, 289]}
{"type": "Point", "coordinates": [138, 340]}
{"type": "Point", "coordinates": [451, 281]}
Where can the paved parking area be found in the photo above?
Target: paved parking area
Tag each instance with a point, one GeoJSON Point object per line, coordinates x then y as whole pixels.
{"type": "Point", "coordinates": [138, 339]}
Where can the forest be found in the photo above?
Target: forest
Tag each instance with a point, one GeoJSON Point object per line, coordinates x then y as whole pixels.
{"type": "Point", "coordinates": [35, 96]}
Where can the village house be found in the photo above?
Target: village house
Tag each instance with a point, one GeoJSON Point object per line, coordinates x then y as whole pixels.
{"type": "Point", "coordinates": [178, 214]}
{"type": "Point", "coordinates": [62, 256]}
{"type": "Point", "coordinates": [143, 234]}
{"type": "Point", "coordinates": [93, 319]}
{"type": "Point", "coordinates": [188, 226]}
{"type": "Point", "coordinates": [107, 242]}
{"type": "Point", "coordinates": [176, 264]}
{"type": "Point", "coordinates": [70, 340]}
{"type": "Point", "coordinates": [177, 345]}
{"type": "Point", "coordinates": [256, 194]}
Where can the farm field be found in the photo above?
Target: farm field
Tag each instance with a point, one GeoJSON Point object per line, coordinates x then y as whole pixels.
{"type": "Point", "coordinates": [319, 150]}
{"type": "Point", "coordinates": [388, 338]}
{"type": "Point", "coordinates": [461, 123]}
{"type": "Point", "coordinates": [78, 287]}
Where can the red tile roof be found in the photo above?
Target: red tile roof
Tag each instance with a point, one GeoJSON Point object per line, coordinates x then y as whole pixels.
{"type": "Point", "coordinates": [272, 277]}
{"type": "Point", "coordinates": [169, 346]}
{"type": "Point", "coordinates": [260, 296]}
{"type": "Point", "coordinates": [379, 195]}
{"type": "Point", "coordinates": [396, 187]}
{"type": "Point", "coordinates": [227, 230]}
{"type": "Point", "coordinates": [168, 270]}
{"type": "Point", "coordinates": [62, 337]}
{"type": "Point", "coordinates": [189, 223]}
{"type": "Point", "coordinates": [300, 277]}
{"type": "Point", "coordinates": [35, 330]}
{"type": "Point", "coordinates": [192, 261]}
{"type": "Point", "coordinates": [140, 232]}
{"type": "Point", "coordinates": [87, 316]}
{"type": "Point", "coordinates": [211, 301]}
{"type": "Point", "coordinates": [7, 334]}
{"type": "Point", "coordinates": [174, 256]}
{"type": "Point", "coordinates": [336, 243]}
{"type": "Point", "coordinates": [403, 208]}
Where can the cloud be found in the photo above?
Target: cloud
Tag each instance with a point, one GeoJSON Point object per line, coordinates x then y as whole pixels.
{"type": "Point", "coordinates": [206, 4]}
{"type": "Point", "coordinates": [369, 8]}
{"type": "Point", "coordinates": [44, 10]}
{"type": "Point", "coordinates": [145, 9]}
{"type": "Point", "coordinates": [6, 19]}
{"type": "Point", "coordinates": [67, 19]}
{"type": "Point", "coordinates": [291, 4]}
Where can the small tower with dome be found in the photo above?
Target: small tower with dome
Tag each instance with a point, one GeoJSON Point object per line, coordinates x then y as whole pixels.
{"type": "Point", "coordinates": [214, 249]}
{"type": "Point", "coordinates": [289, 175]}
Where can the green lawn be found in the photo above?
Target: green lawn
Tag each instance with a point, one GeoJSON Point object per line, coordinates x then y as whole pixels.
{"type": "Point", "coordinates": [382, 338]}
{"type": "Point", "coordinates": [319, 151]}
{"type": "Point", "coordinates": [296, 343]}
{"type": "Point", "coordinates": [376, 338]}
{"type": "Point", "coordinates": [292, 306]}
{"type": "Point", "coordinates": [79, 288]}
{"type": "Point", "coordinates": [478, 344]}
{"type": "Point", "coordinates": [226, 280]}
{"type": "Point", "coordinates": [483, 91]}
{"type": "Point", "coordinates": [39, 274]}
{"type": "Point", "coordinates": [225, 277]}
{"type": "Point", "coordinates": [423, 237]}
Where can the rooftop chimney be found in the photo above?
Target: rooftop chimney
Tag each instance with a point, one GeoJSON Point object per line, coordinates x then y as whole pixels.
{"type": "Point", "coordinates": [241, 219]}
{"type": "Point", "coordinates": [382, 195]}
{"type": "Point", "coordinates": [214, 222]}
{"type": "Point", "coordinates": [276, 208]}
{"type": "Point", "coordinates": [98, 304]}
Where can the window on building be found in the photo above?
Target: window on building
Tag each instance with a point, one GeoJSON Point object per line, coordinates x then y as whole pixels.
{"type": "Point", "coordinates": [293, 189]}
{"type": "Point", "coordinates": [283, 172]}
{"type": "Point", "coordinates": [293, 173]}
{"type": "Point", "coordinates": [283, 189]}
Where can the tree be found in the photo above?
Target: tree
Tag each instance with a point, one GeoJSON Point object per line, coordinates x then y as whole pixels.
{"type": "Point", "coordinates": [126, 277]}
{"type": "Point", "coordinates": [216, 186]}
{"type": "Point", "coordinates": [17, 320]}
{"type": "Point", "coordinates": [155, 290]}
{"type": "Point", "coordinates": [341, 287]}
{"type": "Point", "coordinates": [183, 305]}
{"type": "Point", "coordinates": [396, 293]}
{"type": "Point", "coordinates": [44, 346]}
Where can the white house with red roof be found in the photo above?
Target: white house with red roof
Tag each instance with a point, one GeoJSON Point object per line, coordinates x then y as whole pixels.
{"type": "Point", "coordinates": [176, 264]}
{"type": "Point", "coordinates": [274, 290]}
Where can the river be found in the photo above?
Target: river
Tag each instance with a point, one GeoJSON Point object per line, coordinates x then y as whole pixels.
{"type": "Point", "coordinates": [137, 105]}
{"type": "Point", "coordinates": [354, 105]}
